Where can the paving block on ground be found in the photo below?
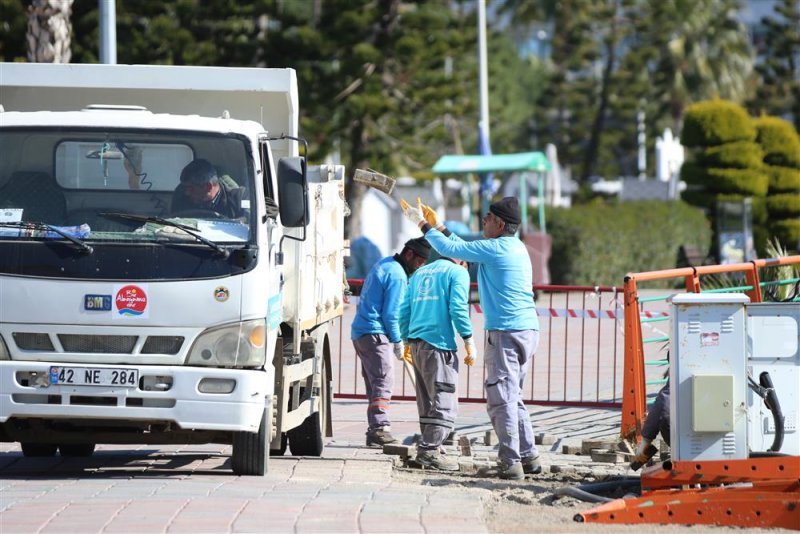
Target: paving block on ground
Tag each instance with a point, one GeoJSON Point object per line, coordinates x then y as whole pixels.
{"type": "Point", "coordinates": [490, 438]}
{"type": "Point", "coordinates": [467, 466]}
{"type": "Point", "coordinates": [399, 450]}
{"type": "Point", "coordinates": [465, 446]}
{"type": "Point", "coordinates": [609, 456]}
{"type": "Point", "coordinates": [571, 449]}
{"type": "Point", "coordinates": [544, 439]}
{"type": "Point", "coordinates": [588, 444]}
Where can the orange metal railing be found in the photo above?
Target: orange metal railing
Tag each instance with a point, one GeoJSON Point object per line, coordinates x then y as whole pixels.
{"type": "Point", "coordinates": [634, 392]}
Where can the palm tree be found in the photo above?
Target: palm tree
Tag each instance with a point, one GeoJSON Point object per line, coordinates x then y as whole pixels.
{"type": "Point", "coordinates": [705, 53]}
{"type": "Point", "coordinates": [49, 31]}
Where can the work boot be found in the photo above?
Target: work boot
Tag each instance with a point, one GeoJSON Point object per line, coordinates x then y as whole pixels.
{"type": "Point", "coordinates": [531, 465]}
{"type": "Point", "coordinates": [503, 470]}
{"type": "Point", "coordinates": [436, 460]}
{"type": "Point", "coordinates": [379, 438]}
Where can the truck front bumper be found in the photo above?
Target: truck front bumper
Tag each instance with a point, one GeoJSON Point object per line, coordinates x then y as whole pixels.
{"type": "Point", "coordinates": [169, 394]}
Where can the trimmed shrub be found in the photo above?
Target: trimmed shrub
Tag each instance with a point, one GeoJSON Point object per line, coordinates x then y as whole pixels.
{"type": "Point", "coordinates": [744, 181]}
{"type": "Point", "coordinates": [739, 155]}
{"type": "Point", "coordinates": [783, 178]}
{"type": "Point", "coordinates": [784, 206]}
{"type": "Point", "coordinates": [597, 244]}
{"type": "Point", "coordinates": [715, 122]}
{"type": "Point", "coordinates": [780, 141]}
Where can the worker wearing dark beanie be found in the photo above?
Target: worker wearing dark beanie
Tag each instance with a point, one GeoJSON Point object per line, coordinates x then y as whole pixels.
{"type": "Point", "coordinates": [505, 284]}
{"type": "Point", "coordinates": [507, 209]}
{"type": "Point", "coordinates": [420, 247]}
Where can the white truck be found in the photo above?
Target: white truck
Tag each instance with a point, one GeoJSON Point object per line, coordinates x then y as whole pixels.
{"type": "Point", "coordinates": [123, 320]}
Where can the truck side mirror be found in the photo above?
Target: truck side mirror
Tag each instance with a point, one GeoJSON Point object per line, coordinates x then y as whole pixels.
{"type": "Point", "coordinates": [293, 192]}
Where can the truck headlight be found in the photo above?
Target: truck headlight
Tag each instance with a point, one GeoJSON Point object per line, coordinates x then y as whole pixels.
{"type": "Point", "coordinates": [239, 345]}
{"type": "Point", "coordinates": [4, 354]}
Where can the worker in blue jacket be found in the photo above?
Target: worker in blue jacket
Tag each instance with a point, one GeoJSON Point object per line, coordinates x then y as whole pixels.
{"type": "Point", "coordinates": [435, 307]}
{"type": "Point", "coordinates": [505, 283]}
{"type": "Point", "coordinates": [375, 332]}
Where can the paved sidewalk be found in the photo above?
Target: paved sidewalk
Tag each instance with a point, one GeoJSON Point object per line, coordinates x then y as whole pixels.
{"type": "Point", "coordinates": [191, 488]}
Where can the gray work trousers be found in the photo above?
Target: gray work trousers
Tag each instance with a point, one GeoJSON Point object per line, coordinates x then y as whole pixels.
{"type": "Point", "coordinates": [508, 355]}
{"type": "Point", "coordinates": [377, 367]}
{"type": "Point", "coordinates": [436, 373]}
{"type": "Point", "coordinates": [658, 417]}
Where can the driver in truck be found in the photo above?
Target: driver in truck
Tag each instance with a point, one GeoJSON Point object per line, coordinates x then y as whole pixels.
{"type": "Point", "coordinates": [201, 189]}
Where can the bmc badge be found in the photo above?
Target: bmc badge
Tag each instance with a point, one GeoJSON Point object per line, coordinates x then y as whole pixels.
{"type": "Point", "coordinates": [221, 294]}
{"type": "Point", "coordinates": [131, 301]}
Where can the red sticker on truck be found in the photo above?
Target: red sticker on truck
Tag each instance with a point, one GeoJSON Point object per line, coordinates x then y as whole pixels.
{"type": "Point", "coordinates": [131, 301]}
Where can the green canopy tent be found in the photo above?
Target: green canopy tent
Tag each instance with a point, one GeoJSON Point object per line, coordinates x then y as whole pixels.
{"type": "Point", "coordinates": [524, 161]}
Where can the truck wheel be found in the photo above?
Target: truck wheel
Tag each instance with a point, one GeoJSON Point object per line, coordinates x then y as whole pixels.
{"type": "Point", "coordinates": [38, 450]}
{"type": "Point", "coordinates": [251, 450]}
{"type": "Point", "coordinates": [307, 439]}
{"type": "Point", "coordinates": [76, 449]}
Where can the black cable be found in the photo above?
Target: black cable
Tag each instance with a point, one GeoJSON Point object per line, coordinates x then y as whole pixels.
{"type": "Point", "coordinates": [586, 492]}
{"type": "Point", "coordinates": [771, 401]}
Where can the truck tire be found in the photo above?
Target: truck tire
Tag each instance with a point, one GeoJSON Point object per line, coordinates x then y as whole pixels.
{"type": "Point", "coordinates": [76, 449]}
{"type": "Point", "coordinates": [308, 438]}
{"type": "Point", "coordinates": [250, 456]}
{"type": "Point", "coordinates": [38, 450]}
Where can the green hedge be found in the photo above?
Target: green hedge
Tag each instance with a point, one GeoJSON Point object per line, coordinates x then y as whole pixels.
{"type": "Point", "coordinates": [739, 155]}
{"type": "Point", "coordinates": [780, 141]}
{"type": "Point", "coordinates": [714, 122]}
{"type": "Point", "coordinates": [784, 206]}
{"type": "Point", "coordinates": [597, 244]}
{"type": "Point", "coordinates": [783, 179]}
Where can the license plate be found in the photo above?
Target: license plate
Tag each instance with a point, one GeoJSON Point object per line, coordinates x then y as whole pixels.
{"type": "Point", "coordinates": [94, 376]}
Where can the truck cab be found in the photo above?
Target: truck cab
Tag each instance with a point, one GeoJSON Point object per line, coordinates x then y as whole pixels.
{"type": "Point", "coordinates": [132, 308]}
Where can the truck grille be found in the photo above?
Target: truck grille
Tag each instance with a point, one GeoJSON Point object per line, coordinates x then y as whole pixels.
{"type": "Point", "coordinates": [162, 345]}
{"type": "Point", "coordinates": [94, 343]}
{"type": "Point", "coordinates": [33, 341]}
{"type": "Point", "coordinates": [98, 344]}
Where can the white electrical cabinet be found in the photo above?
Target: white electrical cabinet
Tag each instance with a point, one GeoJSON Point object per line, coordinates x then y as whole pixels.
{"type": "Point", "coordinates": [708, 377]}
{"type": "Point", "coordinates": [773, 339]}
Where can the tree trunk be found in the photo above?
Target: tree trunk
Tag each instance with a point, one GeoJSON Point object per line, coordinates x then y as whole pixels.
{"type": "Point", "coordinates": [49, 31]}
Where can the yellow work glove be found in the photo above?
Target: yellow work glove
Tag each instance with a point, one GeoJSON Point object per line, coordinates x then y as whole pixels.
{"type": "Point", "coordinates": [472, 351]}
{"type": "Point", "coordinates": [413, 214]}
{"type": "Point", "coordinates": [430, 215]}
{"type": "Point", "coordinates": [407, 354]}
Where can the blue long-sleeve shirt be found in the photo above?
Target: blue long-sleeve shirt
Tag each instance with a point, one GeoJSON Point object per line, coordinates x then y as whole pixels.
{"type": "Point", "coordinates": [505, 277]}
{"type": "Point", "coordinates": [379, 307]}
{"type": "Point", "coordinates": [437, 300]}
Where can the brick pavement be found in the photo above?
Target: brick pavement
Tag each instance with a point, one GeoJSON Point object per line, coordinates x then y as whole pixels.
{"type": "Point", "coordinates": [127, 488]}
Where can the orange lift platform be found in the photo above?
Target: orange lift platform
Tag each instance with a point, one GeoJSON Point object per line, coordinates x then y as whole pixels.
{"type": "Point", "coordinates": [756, 492]}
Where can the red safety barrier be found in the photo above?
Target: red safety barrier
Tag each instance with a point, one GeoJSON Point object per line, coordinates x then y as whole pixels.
{"type": "Point", "coordinates": [579, 361]}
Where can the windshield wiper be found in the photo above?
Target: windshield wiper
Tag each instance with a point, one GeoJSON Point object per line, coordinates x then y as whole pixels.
{"type": "Point", "coordinates": [55, 229]}
{"type": "Point", "coordinates": [166, 222]}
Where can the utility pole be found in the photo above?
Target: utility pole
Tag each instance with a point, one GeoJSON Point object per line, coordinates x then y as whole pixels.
{"type": "Point", "coordinates": [108, 31]}
{"type": "Point", "coordinates": [642, 142]}
{"type": "Point", "coordinates": [484, 146]}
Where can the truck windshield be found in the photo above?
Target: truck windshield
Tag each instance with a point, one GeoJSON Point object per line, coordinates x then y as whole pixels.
{"type": "Point", "coordinates": [131, 191]}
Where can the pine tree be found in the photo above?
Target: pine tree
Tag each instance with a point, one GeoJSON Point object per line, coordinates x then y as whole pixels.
{"type": "Point", "coordinates": [372, 80]}
{"type": "Point", "coordinates": [778, 92]}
